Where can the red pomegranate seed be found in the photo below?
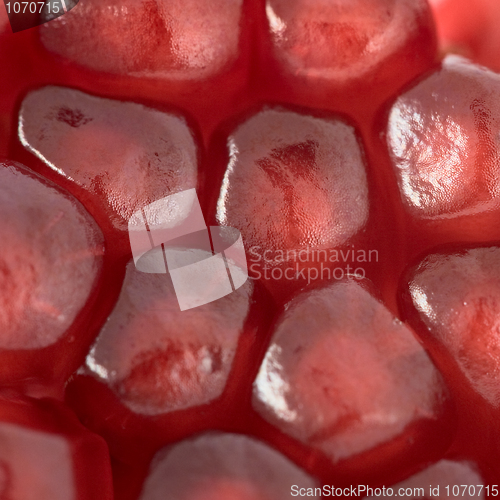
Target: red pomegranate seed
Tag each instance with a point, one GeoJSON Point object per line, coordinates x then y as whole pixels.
{"type": "Point", "coordinates": [294, 185]}
{"type": "Point", "coordinates": [222, 467]}
{"type": "Point", "coordinates": [155, 38]}
{"type": "Point", "coordinates": [457, 297]}
{"type": "Point", "coordinates": [343, 55]}
{"type": "Point", "coordinates": [158, 359]}
{"type": "Point", "coordinates": [442, 136]}
{"type": "Point", "coordinates": [342, 40]}
{"type": "Point", "coordinates": [124, 154]}
{"type": "Point", "coordinates": [343, 376]}
{"type": "Point", "coordinates": [43, 229]}
{"type": "Point", "coordinates": [41, 226]}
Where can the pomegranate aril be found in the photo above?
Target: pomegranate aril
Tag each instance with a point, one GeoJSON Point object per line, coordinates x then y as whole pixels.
{"type": "Point", "coordinates": [158, 359]}
{"type": "Point", "coordinates": [123, 154]}
{"type": "Point", "coordinates": [154, 38]}
{"type": "Point", "coordinates": [294, 183]}
{"type": "Point", "coordinates": [457, 297]}
{"type": "Point", "coordinates": [344, 55]}
{"type": "Point", "coordinates": [343, 376]}
{"type": "Point", "coordinates": [222, 467]}
{"type": "Point", "coordinates": [42, 226]}
{"type": "Point", "coordinates": [341, 40]}
{"type": "Point", "coordinates": [443, 140]}
{"type": "Point", "coordinates": [442, 480]}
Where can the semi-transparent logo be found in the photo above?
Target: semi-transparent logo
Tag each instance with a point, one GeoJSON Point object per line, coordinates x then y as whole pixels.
{"type": "Point", "coordinates": [25, 15]}
{"type": "Point", "coordinates": [170, 236]}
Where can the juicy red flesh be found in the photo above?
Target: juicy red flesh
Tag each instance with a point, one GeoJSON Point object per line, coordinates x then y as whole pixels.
{"type": "Point", "coordinates": [293, 125]}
